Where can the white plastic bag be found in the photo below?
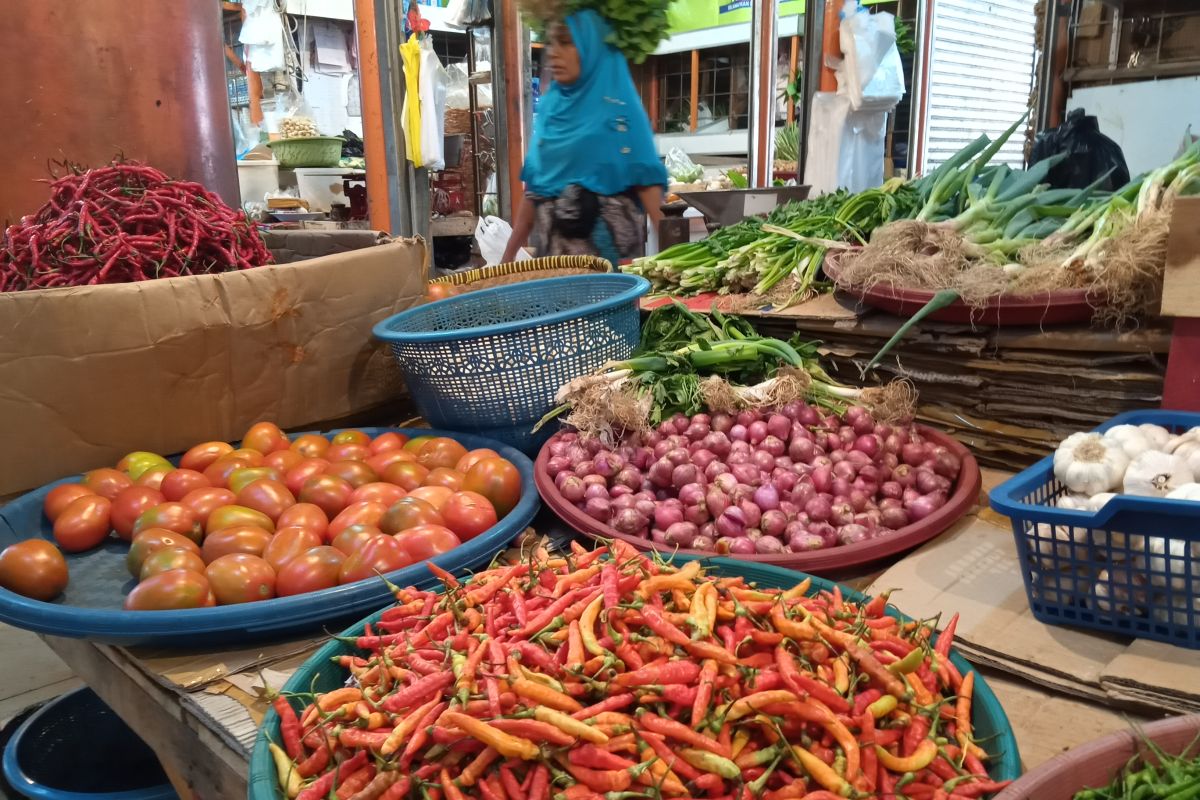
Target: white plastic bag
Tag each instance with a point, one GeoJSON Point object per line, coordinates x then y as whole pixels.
{"type": "Point", "coordinates": [432, 79]}
{"type": "Point", "coordinates": [845, 147]}
{"type": "Point", "coordinates": [870, 74]}
{"type": "Point", "coordinates": [681, 168]}
{"type": "Point", "coordinates": [492, 234]}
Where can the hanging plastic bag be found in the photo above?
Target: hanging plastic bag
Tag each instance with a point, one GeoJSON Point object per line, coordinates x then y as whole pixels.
{"type": "Point", "coordinates": [870, 73]}
{"type": "Point", "coordinates": [492, 235]}
{"type": "Point", "coordinates": [297, 121]}
{"type": "Point", "coordinates": [410, 111]}
{"type": "Point", "coordinates": [433, 80]}
{"type": "Point", "coordinates": [1091, 154]}
{"type": "Point", "coordinates": [681, 168]}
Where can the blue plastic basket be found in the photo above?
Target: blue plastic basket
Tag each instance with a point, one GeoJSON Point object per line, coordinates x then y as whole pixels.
{"type": "Point", "coordinates": [490, 361]}
{"type": "Point", "coordinates": [322, 673]}
{"type": "Point", "coordinates": [77, 748]}
{"type": "Point", "coordinates": [1067, 555]}
{"type": "Point", "coordinates": [91, 606]}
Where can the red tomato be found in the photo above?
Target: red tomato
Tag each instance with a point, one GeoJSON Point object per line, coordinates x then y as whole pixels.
{"type": "Point", "coordinates": [241, 478]}
{"type": "Point", "coordinates": [381, 461]}
{"type": "Point", "coordinates": [298, 475]}
{"type": "Point", "coordinates": [282, 460]}
{"type": "Point", "coordinates": [354, 537]}
{"type": "Point", "coordinates": [379, 555]}
{"type": "Point", "coordinates": [238, 539]}
{"type": "Point", "coordinates": [136, 463]}
{"type": "Point", "coordinates": [106, 482]}
{"type": "Point", "coordinates": [166, 559]}
{"type": "Point", "coordinates": [351, 437]}
{"type": "Point", "coordinates": [426, 541]}
{"type": "Point", "coordinates": [265, 437]}
{"type": "Point", "coordinates": [287, 543]}
{"type": "Point", "coordinates": [408, 475]}
{"type": "Point", "coordinates": [387, 441]}
{"type": "Point", "coordinates": [232, 515]}
{"type": "Point", "coordinates": [440, 452]}
{"type": "Point", "coordinates": [439, 291]}
{"type": "Point", "coordinates": [151, 541]}
{"type": "Point", "coordinates": [172, 516]}
{"type": "Point", "coordinates": [409, 512]}
{"type": "Point", "coordinates": [355, 473]}
{"type": "Point", "coordinates": [472, 458]}
{"type": "Point", "coordinates": [347, 452]}
{"type": "Point", "coordinates": [241, 578]}
{"type": "Point", "coordinates": [203, 455]}
{"type": "Point", "coordinates": [207, 500]}
{"type": "Point", "coordinates": [61, 496]}
{"type": "Point", "coordinates": [253, 458]}
{"type": "Point", "coordinates": [174, 589]}
{"type": "Point", "coordinates": [310, 571]}
{"type": "Point", "coordinates": [327, 492]}
{"type": "Point", "coordinates": [498, 480]}
{"type": "Point", "coordinates": [436, 496]}
{"type": "Point", "coordinates": [310, 445]}
{"type": "Point", "coordinates": [304, 515]}
{"type": "Point", "coordinates": [270, 497]}
{"type": "Point", "coordinates": [130, 504]}
{"type": "Point", "coordinates": [378, 492]}
{"type": "Point", "coordinates": [177, 483]}
{"type": "Point", "coordinates": [219, 471]}
{"type": "Point", "coordinates": [441, 476]}
{"type": "Point", "coordinates": [153, 477]}
{"type": "Point", "coordinates": [33, 568]}
{"type": "Point", "coordinates": [415, 444]}
{"type": "Point", "coordinates": [468, 514]}
{"type": "Point", "coordinates": [366, 512]}
{"type": "Point", "coordinates": [83, 524]}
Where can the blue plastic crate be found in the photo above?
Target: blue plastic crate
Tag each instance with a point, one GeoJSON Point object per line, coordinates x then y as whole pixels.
{"type": "Point", "coordinates": [489, 362]}
{"type": "Point", "coordinates": [1131, 568]}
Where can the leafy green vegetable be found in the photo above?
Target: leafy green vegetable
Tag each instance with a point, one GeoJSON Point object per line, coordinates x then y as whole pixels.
{"type": "Point", "coordinates": [638, 25]}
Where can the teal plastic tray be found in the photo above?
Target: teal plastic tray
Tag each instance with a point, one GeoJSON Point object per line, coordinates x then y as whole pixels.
{"type": "Point", "coordinates": [320, 674]}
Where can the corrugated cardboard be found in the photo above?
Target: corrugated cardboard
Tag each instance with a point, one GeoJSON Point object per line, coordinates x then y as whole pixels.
{"type": "Point", "coordinates": [1181, 279]}
{"type": "Point", "coordinates": [90, 373]}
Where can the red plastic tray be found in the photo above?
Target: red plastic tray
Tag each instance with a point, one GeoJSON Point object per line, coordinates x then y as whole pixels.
{"type": "Point", "coordinates": [1044, 308]}
{"type": "Point", "coordinates": [818, 562]}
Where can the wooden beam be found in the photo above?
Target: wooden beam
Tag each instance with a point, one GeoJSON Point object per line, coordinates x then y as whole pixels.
{"type": "Point", "coordinates": [374, 137]}
{"type": "Point", "coordinates": [511, 37]}
{"type": "Point", "coordinates": [765, 47]}
{"type": "Point", "coordinates": [695, 92]}
{"type": "Point", "coordinates": [793, 63]}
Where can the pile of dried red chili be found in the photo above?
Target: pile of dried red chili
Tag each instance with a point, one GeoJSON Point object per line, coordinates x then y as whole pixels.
{"type": "Point", "coordinates": [126, 222]}
{"type": "Point", "coordinates": [618, 677]}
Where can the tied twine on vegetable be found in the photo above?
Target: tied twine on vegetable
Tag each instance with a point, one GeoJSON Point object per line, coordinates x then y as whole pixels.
{"type": "Point", "coordinates": [688, 362]}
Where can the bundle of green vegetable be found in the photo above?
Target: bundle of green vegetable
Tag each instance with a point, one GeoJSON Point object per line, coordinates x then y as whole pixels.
{"type": "Point", "coordinates": [780, 256]}
{"type": "Point", "coordinates": [1157, 775]}
{"type": "Point", "coordinates": [638, 26]}
{"type": "Point", "coordinates": [689, 362]}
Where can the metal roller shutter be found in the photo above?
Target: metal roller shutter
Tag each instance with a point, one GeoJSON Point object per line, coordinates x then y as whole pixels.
{"type": "Point", "coordinates": [980, 75]}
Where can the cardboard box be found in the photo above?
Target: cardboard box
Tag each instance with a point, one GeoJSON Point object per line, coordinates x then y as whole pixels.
{"type": "Point", "coordinates": [90, 373]}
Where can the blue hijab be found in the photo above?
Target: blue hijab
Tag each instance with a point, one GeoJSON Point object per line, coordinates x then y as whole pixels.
{"type": "Point", "coordinates": [593, 133]}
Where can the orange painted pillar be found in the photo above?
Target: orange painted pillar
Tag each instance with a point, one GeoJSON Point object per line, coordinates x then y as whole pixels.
{"type": "Point", "coordinates": [830, 45]}
{"type": "Point", "coordinates": [374, 137]}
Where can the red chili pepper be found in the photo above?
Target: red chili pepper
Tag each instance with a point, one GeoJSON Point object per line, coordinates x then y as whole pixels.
{"type": "Point", "coordinates": [671, 672]}
{"type": "Point", "coordinates": [319, 788]}
{"type": "Point", "coordinates": [289, 728]}
{"type": "Point", "coordinates": [614, 702]}
{"type": "Point", "coordinates": [415, 693]}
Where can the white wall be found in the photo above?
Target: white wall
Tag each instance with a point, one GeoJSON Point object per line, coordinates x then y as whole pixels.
{"type": "Point", "coordinates": [1148, 118]}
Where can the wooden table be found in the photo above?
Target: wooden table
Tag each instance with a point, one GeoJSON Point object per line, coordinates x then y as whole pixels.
{"type": "Point", "coordinates": [204, 735]}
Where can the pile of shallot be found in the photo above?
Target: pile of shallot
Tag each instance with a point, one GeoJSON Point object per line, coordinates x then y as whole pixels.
{"type": "Point", "coordinates": [764, 482]}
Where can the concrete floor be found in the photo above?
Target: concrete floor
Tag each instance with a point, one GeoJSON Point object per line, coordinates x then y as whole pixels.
{"type": "Point", "coordinates": [32, 672]}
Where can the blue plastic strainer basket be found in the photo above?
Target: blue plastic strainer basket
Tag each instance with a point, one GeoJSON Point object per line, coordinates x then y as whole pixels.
{"type": "Point", "coordinates": [489, 362]}
{"type": "Point", "coordinates": [1132, 568]}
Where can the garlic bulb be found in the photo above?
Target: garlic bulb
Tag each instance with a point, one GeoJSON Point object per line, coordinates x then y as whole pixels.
{"type": "Point", "coordinates": [1179, 614]}
{"type": "Point", "coordinates": [1088, 463]}
{"type": "Point", "coordinates": [1059, 542]}
{"type": "Point", "coordinates": [1074, 502]}
{"type": "Point", "coordinates": [1189, 451]}
{"type": "Point", "coordinates": [1155, 474]}
{"type": "Point", "coordinates": [1129, 438]}
{"type": "Point", "coordinates": [1097, 501]}
{"type": "Point", "coordinates": [1113, 593]}
{"type": "Point", "coordinates": [1156, 435]}
{"type": "Point", "coordinates": [1189, 491]}
{"type": "Point", "coordinates": [1175, 558]}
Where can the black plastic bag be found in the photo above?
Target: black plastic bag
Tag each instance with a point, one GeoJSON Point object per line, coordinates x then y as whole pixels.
{"type": "Point", "coordinates": [353, 146]}
{"type": "Point", "coordinates": [1090, 154]}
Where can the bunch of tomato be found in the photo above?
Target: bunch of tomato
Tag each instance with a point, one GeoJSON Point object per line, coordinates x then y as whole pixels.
{"type": "Point", "coordinates": [272, 518]}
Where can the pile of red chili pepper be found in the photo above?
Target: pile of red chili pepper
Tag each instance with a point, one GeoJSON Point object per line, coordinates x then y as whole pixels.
{"type": "Point", "coordinates": [126, 222]}
{"type": "Point", "coordinates": [607, 675]}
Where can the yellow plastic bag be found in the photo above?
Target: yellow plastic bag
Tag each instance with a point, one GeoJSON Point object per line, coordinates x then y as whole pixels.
{"type": "Point", "coordinates": [410, 113]}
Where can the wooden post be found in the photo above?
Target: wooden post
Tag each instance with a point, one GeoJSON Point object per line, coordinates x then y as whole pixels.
{"type": "Point", "coordinates": [762, 97]}
{"type": "Point", "coordinates": [793, 62]}
{"type": "Point", "coordinates": [652, 93]}
{"type": "Point", "coordinates": [510, 32]}
{"type": "Point", "coordinates": [695, 93]}
{"type": "Point", "coordinates": [374, 137]}
{"type": "Point", "coordinates": [830, 48]}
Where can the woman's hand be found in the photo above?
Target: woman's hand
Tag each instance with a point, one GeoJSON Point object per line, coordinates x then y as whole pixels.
{"type": "Point", "coordinates": [651, 198]}
{"type": "Point", "coordinates": [522, 225]}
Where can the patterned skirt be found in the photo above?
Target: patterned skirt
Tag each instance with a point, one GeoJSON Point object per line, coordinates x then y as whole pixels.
{"type": "Point", "coordinates": [579, 222]}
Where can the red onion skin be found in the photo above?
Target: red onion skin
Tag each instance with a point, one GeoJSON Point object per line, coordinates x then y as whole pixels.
{"type": "Point", "coordinates": [866, 487]}
{"type": "Point", "coordinates": [658, 536]}
{"type": "Point", "coordinates": [837, 455]}
{"type": "Point", "coordinates": [889, 461]}
{"type": "Point", "coordinates": [747, 474]}
{"type": "Point", "coordinates": [841, 513]}
{"type": "Point", "coordinates": [718, 443]}
{"type": "Point", "coordinates": [732, 522]}
{"type": "Point", "coordinates": [678, 456]}
{"type": "Point", "coordinates": [691, 494]}
{"type": "Point", "coordinates": [644, 507]}
{"type": "Point", "coordinates": [863, 425]}
{"type": "Point", "coordinates": [891, 490]}
{"type": "Point", "coordinates": [557, 464]}
{"type": "Point", "coordinates": [869, 473]}
{"type": "Point", "coordinates": [607, 464]}
{"type": "Point", "coordinates": [714, 469]}
{"type": "Point", "coordinates": [680, 421]}
{"type": "Point", "coordinates": [667, 428]}
{"type": "Point", "coordinates": [785, 480]}
{"type": "Point", "coordinates": [696, 431]}
{"type": "Point", "coordinates": [748, 416]}
{"type": "Point", "coordinates": [826, 532]}
{"type": "Point", "coordinates": [921, 507]}
{"type": "Point", "coordinates": [804, 491]}
{"type": "Point", "coordinates": [763, 460]}
{"type": "Point", "coordinates": [741, 546]}
{"type": "Point", "coordinates": [852, 534]}
{"type": "Point", "coordinates": [557, 447]}
{"type": "Point", "coordinates": [858, 500]}
{"type": "Point", "coordinates": [913, 454]}
{"type": "Point", "coordinates": [738, 433]}
{"type": "Point", "coordinates": [783, 464]}
{"type": "Point", "coordinates": [844, 469]}
{"type": "Point", "coordinates": [779, 426]}
{"type": "Point", "coordinates": [766, 497]}
{"type": "Point", "coordinates": [595, 490]}
{"type": "Point", "coordinates": [594, 480]}
{"type": "Point", "coordinates": [572, 489]}
{"type": "Point", "coordinates": [697, 514]}
{"type": "Point", "coordinates": [750, 512]}
{"type": "Point", "coordinates": [665, 516]}
{"type": "Point", "coordinates": [726, 482]}
{"type": "Point", "coordinates": [598, 509]}
{"type": "Point", "coordinates": [739, 457]}
{"type": "Point", "coordinates": [869, 520]}
{"type": "Point", "coordinates": [593, 446]}
{"type": "Point", "coordinates": [805, 542]}
{"type": "Point", "coordinates": [662, 448]}
{"type": "Point", "coordinates": [660, 473]}
{"type": "Point", "coordinates": [821, 461]}
{"type": "Point", "coordinates": [802, 450]}
{"type": "Point", "coordinates": [684, 474]}
{"type": "Point", "coordinates": [893, 517]}
{"type": "Point", "coordinates": [585, 468]}
{"type": "Point", "coordinates": [652, 439]}
{"type": "Point", "coordinates": [808, 416]}
{"type": "Point", "coordinates": [773, 522]}
{"type": "Point", "coordinates": [619, 491]}
{"type": "Point", "coordinates": [756, 432]}
{"type": "Point", "coordinates": [722, 544]}
{"type": "Point", "coordinates": [840, 487]}
{"type": "Point", "coordinates": [768, 546]}
{"type": "Point", "coordinates": [859, 459]}
{"type": "Point", "coordinates": [929, 482]}
{"type": "Point", "coordinates": [703, 542]}
{"type": "Point", "coordinates": [716, 501]}
{"type": "Point", "coordinates": [818, 509]}
{"type": "Point", "coordinates": [721, 423]}
{"type": "Point", "coordinates": [945, 463]}
{"type": "Point", "coordinates": [788, 509]}
{"type": "Point", "coordinates": [822, 479]}
{"type": "Point", "coordinates": [681, 534]}
{"type": "Point", "coordinates": [628, 521]}
{"type": "Point", "coordinates": [904, 475]}
{"type": "Point", "coordinates": [742, 492]}
{"type": "Point", "coordinates": [629, 477]}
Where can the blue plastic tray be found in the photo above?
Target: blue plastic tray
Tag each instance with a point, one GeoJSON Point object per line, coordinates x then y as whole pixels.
{"type": "Point", "coordinates": [91, 606]}
{"type": "Point", "coordinates": [320, 674]}
{"type": "Point", "coordinates": [1060, 575]}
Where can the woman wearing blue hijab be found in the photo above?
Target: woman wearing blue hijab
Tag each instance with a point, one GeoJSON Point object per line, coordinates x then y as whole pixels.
{"type": "Point", "coordinates": [592, 174]}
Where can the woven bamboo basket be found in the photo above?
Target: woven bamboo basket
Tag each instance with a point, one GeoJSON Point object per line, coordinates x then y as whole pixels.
{"type": "Point", "coordinates": [520, 271]}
